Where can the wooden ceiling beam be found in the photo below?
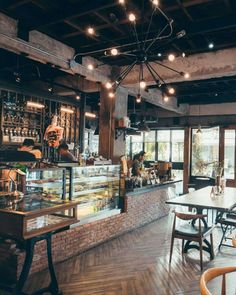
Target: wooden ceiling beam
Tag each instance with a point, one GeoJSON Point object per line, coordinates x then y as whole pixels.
{"type": "Point", "coordinates": [106, 20]}
{"type": "Point", "coordinates": [90, 8]}
{"type": "Point", "coordinates": [184, 10]}
{"type": "Point", "coordinates": [18, 4]}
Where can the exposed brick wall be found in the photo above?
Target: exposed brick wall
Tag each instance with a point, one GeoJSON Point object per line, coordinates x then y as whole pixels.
{"type": "Point", "coordinates": [141, 209]}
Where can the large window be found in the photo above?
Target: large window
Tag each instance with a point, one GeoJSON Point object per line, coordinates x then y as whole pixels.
{"type": "Point", "coordinates": [163, 139]}
{"type": "Point", "coordinates": [177, 145]}
{"type": "Point", "coordinates": [136, 144]}
{"type": "Point", "coordinates": [229, 154]}
{"type": "Point", "coordinates": [205, 151]}
{"type": "Point", "coordinates": [150, 145]}
{"type": "Point", "coordinates": [161, 145]}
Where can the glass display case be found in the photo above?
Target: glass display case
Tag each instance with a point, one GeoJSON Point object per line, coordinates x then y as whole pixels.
{"type": "Point", "coordinates": [34, 214]}
{"type": "Point", "coordinates": [50, 182]}
{"type": "Point", "coordinates": [96, 188]}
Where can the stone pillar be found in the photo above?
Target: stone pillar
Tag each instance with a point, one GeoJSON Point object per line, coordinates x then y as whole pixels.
{"type": "Point", "coordinates": [112, 109]}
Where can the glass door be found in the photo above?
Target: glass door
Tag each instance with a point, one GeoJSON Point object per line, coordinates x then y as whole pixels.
{"type": "Point", "coordinates": [227, 154]}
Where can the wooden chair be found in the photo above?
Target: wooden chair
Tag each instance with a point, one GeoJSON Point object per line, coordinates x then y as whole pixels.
{"type": "Point", "coordinates": [212, 273]}
{"type": "Point", "coordinates": [188, 232]}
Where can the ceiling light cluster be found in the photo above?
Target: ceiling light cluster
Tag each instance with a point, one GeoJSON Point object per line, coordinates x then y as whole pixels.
{"type": "Point", "coordinates": [144, 55]}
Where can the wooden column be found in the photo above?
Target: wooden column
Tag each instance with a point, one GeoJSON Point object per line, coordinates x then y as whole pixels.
{"type": "Point", "coordinates": [111, 109]}
{"type": "Point", "coordinates": [187, 153]}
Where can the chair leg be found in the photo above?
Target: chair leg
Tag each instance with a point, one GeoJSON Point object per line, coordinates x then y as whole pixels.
{"type": "Point", "coordinates": [183, 246]}
{"type": "Point", "coordinates": [224, 230]}
{"type": "Point", "coordinates": [200, 250]}
{"type": "Point", "coordinates": [171, 248]}
{"type": "Point", "coordinates": [212, 247]}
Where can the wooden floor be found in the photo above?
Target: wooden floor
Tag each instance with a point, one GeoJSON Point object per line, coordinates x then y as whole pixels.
{"type": "Point", "coordinates": [137, 264]}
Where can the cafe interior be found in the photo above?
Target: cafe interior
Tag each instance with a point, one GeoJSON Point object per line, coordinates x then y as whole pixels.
{"type": "Point", "coordinates": [117, 147]}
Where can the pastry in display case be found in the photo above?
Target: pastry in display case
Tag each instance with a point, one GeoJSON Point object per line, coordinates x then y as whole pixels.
{"type": "Point", "coordinates": [49, 182]}
{"type": "Point", "coordinates": [96, 188]}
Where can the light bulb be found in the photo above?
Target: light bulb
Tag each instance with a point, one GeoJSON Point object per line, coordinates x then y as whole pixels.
{"type": "Point", "coordinates": [122, 1]}
{"type": "Point", "coordinates": [183, 54]}
{"type": "Point", "coordinates": [142, 84]}
{"type": "Point", "coordinates": [138, 98]}
{"type": "Point", "coordinates": [171, 90]}
{"type": "Point", "coordinates": [186, 75]}
{"type": "Point", "coordinates": [171, 57]}
{"type": "Point", "coordinates": [111, 94]}
{"type": "Point", "coordinates": [77, 97]}
{"type": "Point", "coordinates": [166, 98]}
{"type": "Point", "coordinates": [155, 2]}
{"type": "Point", "coordinates": [91, 31]}
{"type": "Point", "coordinates": [114, 51]}
{"type": "Point", "coordinates": [108, 85]}
{"type": "Point", "coordinates": [159, 54]}
{"type": "Point", "coordinates": [90, 67]}
{"type": "Point", "coordinates": [132, 17]}
{"type": "Point", "coordinates": [211, 45]}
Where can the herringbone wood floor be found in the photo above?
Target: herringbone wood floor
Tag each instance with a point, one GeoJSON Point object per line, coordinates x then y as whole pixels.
{"type": "Point", "coordinates": [137, 264]}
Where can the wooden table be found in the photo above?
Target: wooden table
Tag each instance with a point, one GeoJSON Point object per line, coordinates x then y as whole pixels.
{"type": "Point", "coordinates": [201, 199]}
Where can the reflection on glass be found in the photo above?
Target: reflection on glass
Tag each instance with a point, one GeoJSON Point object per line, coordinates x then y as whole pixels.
{"type": "Point", "coordinates": [205, 151]}
{"type": "Point", "coordinates": [229, 154]}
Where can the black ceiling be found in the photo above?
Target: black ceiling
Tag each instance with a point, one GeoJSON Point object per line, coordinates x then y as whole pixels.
{"type": "Point", "coordinates": [67, 20]}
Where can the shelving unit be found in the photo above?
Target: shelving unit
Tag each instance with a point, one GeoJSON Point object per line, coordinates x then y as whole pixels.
{"type": "Point", "coordinates": [19, 121]}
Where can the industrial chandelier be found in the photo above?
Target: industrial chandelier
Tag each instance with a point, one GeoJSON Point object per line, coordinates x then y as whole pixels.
{"type": "Point", "coordinates": [144, 56]}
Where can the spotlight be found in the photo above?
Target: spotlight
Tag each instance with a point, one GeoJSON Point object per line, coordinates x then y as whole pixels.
{"type": "Point", "coordinates": [171, 57]}
{"type": "Point", "coordinates": [132, 17]}
{"type": "Point", "coordinates": [155, 2]}
{"type": "Point", "coordinates": [181, 34]}
{"type": "Point", "coordinates": [114, 52]}
{"type": "Point", "coordinates": [171, 90]}
{"type": "Point", "coordinates": [138, 98]}
{"type": "Point", "coordinates": [210, 45]}
{"type": "Point", "coordinates": [166, 98]}
{"type": "Point", "coordinates": [91, 31]}
{"type": "Point", "coordinates": [111, 94]}
{"type": "Point", "coordinates": [17, 77]}
{"type": "Point", "coordinates": [108, 85]}
{"type": "Point", "coordinates": [186, 75]}
{"type": "Point", "coordinates": [50, 89]}
{"type": "Point", "coordinates": [90, 67]}
{"type": "Point", "coordinates": [142, 84]}
{"type": "Point", "coordinates": [77, 97]}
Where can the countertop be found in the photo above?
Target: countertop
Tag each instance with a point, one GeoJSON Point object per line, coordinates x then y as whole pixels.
{"type": "Point", "coordinates": [151, 187]}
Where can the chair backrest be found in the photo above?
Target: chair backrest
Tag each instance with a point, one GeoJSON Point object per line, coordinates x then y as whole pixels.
{"type": "Point", "coordinates": [188, 217]}
{"type": "Point", "coordinates": [212, 273]}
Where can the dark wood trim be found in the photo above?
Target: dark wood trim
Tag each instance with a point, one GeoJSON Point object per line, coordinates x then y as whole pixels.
{"type": "Point", "coordinates": [187, 144]}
